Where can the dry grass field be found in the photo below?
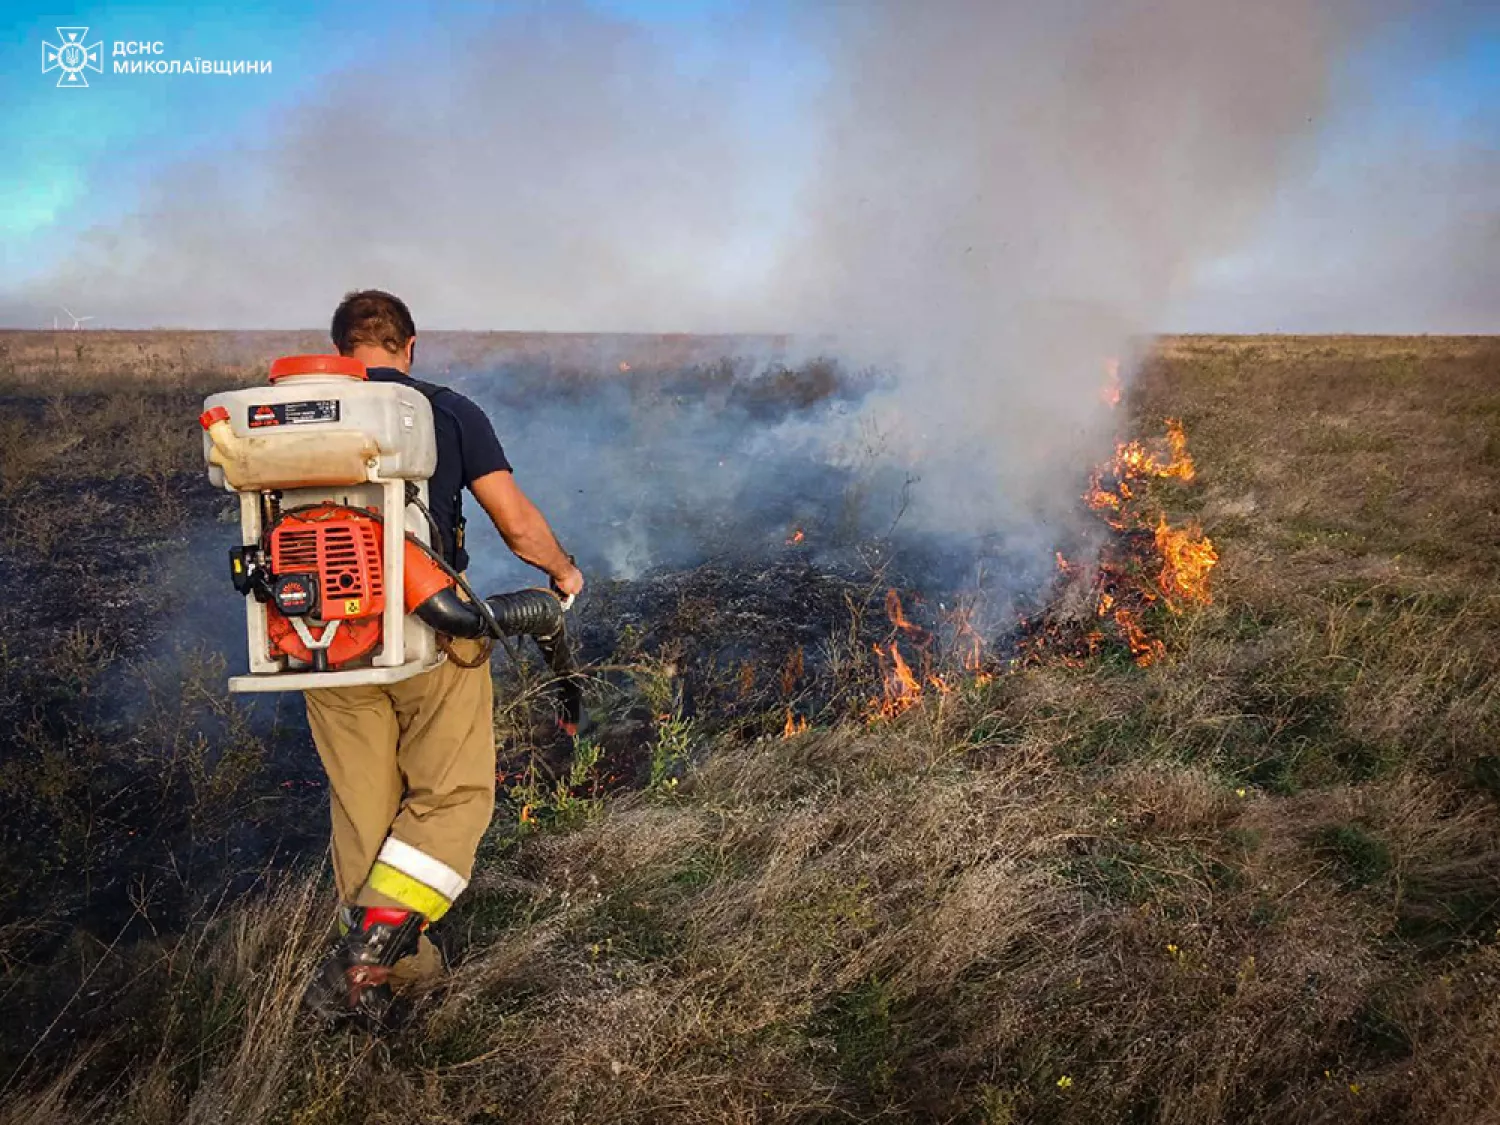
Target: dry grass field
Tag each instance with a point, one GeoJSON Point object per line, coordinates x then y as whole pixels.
{"type": "Point", "coordinates": [1257, 880]}
{"type": "Point", "coordinates": [104, 360]}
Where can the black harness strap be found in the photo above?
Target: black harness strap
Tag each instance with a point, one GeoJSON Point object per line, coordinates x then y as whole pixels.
{"type": "Point", "coordinates": [432, 392]}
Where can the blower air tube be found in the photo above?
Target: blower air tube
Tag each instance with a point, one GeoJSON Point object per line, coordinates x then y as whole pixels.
{"type": "Point", "coordinates": [525, 613]}
{"type": "Point", "coordinates": [531, 613]}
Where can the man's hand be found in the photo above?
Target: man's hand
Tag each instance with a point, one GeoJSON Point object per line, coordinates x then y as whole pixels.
{"type": "Point", "coordinates": [525, 530]}
{"type": "Point", "coordinates": [569, 585]}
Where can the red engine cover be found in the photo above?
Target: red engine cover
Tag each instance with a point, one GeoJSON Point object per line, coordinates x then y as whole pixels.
{"type": "Point", "coordinates": [343, 549]}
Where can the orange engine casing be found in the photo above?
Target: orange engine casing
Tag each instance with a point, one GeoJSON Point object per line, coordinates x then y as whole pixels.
{"type": "Point", "coordinates": [342, 548]}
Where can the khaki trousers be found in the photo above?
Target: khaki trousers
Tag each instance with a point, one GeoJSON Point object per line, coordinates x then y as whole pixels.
{"type": "Point", "coordinates": [411, 772]}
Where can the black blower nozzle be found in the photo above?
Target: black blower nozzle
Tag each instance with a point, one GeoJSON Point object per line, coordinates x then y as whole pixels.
{"type": "Point", "coordinates": [531, 613]}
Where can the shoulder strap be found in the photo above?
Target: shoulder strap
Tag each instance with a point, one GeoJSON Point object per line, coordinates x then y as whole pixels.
{"type": "Point", "coordinates": [432, 392]}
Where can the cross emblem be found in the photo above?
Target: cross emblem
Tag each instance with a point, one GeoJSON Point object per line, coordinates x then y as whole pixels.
{"type": "Point", "coordinates": [72, 57]}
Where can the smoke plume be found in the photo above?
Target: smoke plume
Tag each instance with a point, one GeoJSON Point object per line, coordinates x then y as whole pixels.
{"type": "Point", "coordinates": [985, 201]}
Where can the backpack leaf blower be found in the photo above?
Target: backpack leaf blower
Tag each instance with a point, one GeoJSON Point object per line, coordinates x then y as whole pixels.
{"type": "Point", "coordinates": [342, 582]}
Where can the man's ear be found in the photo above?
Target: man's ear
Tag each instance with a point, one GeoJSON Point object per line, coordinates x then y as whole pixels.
{"type": "Point", "coordinates": [411, 351]}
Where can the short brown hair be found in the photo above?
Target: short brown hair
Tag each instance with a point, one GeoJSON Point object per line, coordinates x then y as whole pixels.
{"type": "Point", "coordinates": [372, 316]}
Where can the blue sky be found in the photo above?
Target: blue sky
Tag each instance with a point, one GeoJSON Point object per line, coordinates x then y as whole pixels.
{"type": "Point", "coordinates": [82, 157]}
{"type": "Point", "coordinates": [80, 160]}
{"type": "Point", "coordinates": [1411, 146]}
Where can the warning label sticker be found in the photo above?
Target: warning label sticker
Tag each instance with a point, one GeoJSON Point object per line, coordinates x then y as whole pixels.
{"type": "Point", "coordinates": [294, 413]}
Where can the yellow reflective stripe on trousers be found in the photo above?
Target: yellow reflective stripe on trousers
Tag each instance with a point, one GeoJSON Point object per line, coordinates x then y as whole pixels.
{"type": "Point", "coordinates": [407, 891]}
{"type": "Point", "coordinates": [422, 867]}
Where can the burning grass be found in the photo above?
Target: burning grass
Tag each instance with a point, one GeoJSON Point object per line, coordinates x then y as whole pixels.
{"type": "Point", "coordinates": [1240, 867]}
{"type": "Point", "coordinates": [1144, 566]}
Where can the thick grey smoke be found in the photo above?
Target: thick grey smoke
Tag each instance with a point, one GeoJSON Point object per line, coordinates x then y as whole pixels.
{"type": "Point", "coordinates": [1008, 192]}
{"type": "Point", "coordinates": [986, 199]}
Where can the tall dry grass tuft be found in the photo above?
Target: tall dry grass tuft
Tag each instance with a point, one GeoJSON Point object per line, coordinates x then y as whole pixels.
{"type": "Point", "coordinates": [201, 1027]}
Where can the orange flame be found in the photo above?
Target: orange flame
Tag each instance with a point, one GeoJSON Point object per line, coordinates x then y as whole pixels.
{"type": "Point", "coordinates": [902, 690]}
{"type": "Point", "coordinates": [1181, 465]}
{"type": "Point", "coordinates": [897, 615]}
{"type": "Point", "coordinates": [1143, 647]}
{"type": "Point", "coordinates": [795, 537]}
{"type": "Point", "coordinates": [1187, 557]}
{"type": "Point", "coordinates": [967, 640]}
{"type": "Point", "coordinates": [1109, 394]}
{"type": "Point", "coordinates": [1179, 560]}
{"type": "Point", "coordinates": [791, 671]}
{"type": "Point", "coordinates": [1111, 484]}
{"type": "Point", "coordinates": [1121, 583]}
{"type": "Point", "coordinates": [795, 724]}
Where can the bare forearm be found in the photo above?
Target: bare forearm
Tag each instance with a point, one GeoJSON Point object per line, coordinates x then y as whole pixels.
{"type": "Point", "coordinates": [522, 525]}
{"type": "Point", "coordinates": [531, 540]}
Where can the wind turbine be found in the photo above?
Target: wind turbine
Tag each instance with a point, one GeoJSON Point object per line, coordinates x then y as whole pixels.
{"type": "Point", "coordinates": [77, 320]}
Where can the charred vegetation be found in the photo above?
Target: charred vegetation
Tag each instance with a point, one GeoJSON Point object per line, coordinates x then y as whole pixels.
{"type": "Point", "coordinates": [1197, 823]}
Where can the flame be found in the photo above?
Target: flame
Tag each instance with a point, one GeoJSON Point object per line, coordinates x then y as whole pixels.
{"type": "Point", "coordinates": [624, 367]}
{"type": "Point", "coordinates": [1147, 563]}
{"type": "Point", "coordinates": [795, 724]}
{"type": "Point", "coordinates": [901, 686]}
{"type": "Point", "coordinates": [797, 536]}
{"type": "Point", "coordinates": [1143, 647]}
{"type": "Point", "coordinates": [1181, 465]}
{"type": "Point", "coordinates": [897, 615]}
{"type": "Point", "coordinates": [1110, 484]}
{"type": "Point", "coordinates": [967, 641]}
{"type": "Point", "coordinates": [1187, 557]}
{"type": "Point", "coordinates": [792, 670]}
{"type": "Point", "coordinates": [902, 689]}
{"type": "Point", "coordinates": [1109, 394]}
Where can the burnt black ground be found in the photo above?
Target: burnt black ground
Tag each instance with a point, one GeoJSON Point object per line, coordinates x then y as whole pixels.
{"type": "Point", "coordinates": [139, 795]}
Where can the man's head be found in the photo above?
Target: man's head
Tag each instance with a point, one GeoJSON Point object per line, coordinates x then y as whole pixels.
{"type": "Point", "coordinates": [375, 327]}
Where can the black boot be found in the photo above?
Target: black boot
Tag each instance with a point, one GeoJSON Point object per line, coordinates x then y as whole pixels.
{"type": "Point", "coordinates": [352, 981]}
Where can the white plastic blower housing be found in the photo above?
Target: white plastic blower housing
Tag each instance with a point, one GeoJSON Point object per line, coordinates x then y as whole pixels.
{"type": "Point", "coordinates": [322, 438]}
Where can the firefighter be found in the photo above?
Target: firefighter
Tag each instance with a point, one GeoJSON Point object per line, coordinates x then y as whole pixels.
{"type": "Point", "coordinates": [411, 765]}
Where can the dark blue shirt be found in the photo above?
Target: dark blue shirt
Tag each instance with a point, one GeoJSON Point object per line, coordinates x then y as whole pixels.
{"type": "Point", "coordinates": [467, 449]}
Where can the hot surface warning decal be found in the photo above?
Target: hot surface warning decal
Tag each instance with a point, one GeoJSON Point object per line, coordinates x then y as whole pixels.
{"type": "Point", "coordinates": [294, 413]}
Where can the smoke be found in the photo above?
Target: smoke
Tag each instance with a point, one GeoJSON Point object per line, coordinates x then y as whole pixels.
{"type": "Point", "coordinates": [985, 201]}
{"type": "Point", "coordinates": [1008, 193]}
{"type": "Point", "coordinates": [1391, 262]}
{"type": "Point", "coordinates": [558, 169]}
